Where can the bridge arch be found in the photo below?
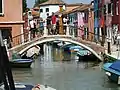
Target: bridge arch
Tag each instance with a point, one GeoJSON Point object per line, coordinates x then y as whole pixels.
{"type": "Point", "coordinates": [60, 38]}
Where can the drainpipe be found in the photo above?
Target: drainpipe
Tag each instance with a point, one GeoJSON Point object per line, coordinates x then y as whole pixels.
{"type": "Point", "coordinates": [22, 34]}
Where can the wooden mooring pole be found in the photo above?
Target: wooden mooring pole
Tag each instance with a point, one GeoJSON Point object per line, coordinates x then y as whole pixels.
{"type": "Point", "coordinates": [5, 66]}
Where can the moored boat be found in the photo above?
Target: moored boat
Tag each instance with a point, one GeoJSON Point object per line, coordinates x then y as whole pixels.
{"type": "Point", "coordinates": [22, 86]}
{"type": "Point", "coordinates": [42, 87]}
{"type": "Point", "coordinates": [113, 71]}
{"type": "Point", "coordinates": [21, 63]}
{"type": "Point", "coordinates": [19, 86]}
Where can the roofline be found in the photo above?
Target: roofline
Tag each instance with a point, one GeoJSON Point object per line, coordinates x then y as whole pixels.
{"type": "Point", "coordinates": [77, 4]}
{"type": "Point", "coordinates": [73, 11]}
{"type": "Point", "coordinates": [51, 4]}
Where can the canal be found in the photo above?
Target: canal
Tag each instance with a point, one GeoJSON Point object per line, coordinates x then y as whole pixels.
{"type": "Point", "coordinates": [50, 69]}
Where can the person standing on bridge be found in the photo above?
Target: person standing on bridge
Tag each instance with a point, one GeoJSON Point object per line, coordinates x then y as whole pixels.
{"type": "Point", "coordinates": [53, 23]}
{"type": "Point", "coordinates": [32, 28]}
{"type": "Point", "coordinates": [65, 24]}
{"type": "Point", "coordinates": [49, 24]}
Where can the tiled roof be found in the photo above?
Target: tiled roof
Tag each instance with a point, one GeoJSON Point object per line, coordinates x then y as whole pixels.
{"type": "Point", "coordinates": [53, 2]}
{"type": "Point", "coordinates": [35, 13]}
{"type": "Point", "coordinates": [76, 4]}
{"type": "Point", "coordinates": [73, 8]}
{"type": "Point", "coordinates": [69, 8]}
{"type": "Point", "coordinates": [83, 7]}
{"type": "Point", "coordinates": [36, 8]}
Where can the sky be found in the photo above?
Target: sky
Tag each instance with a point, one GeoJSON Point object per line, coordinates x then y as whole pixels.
{"type": "Point", "coordinates": [30, 3]}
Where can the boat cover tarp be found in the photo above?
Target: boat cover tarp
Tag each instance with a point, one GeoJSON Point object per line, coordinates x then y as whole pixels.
{"type": "Point", "coordinates": [83, 52]}
{"type": "Point", "coordinates": [76, 47]}
{"type": "Point", "coordinates": [28, 87]}
{"type": "Point", "coordinates": [68, 45]}
{"type": "Point", "coordinates": [106, 67]}
{"type": "Point", "coordinates": [116, 65]}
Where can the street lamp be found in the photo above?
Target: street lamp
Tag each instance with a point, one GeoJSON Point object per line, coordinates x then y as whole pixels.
{"type": "Point", "coordinates": [6, 72]}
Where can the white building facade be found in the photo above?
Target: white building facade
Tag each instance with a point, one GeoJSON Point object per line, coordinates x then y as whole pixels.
{"type": "Point", "coordinates": [49, 7]}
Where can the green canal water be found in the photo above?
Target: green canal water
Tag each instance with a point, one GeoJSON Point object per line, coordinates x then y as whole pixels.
{"type": "Point", "coordinates": [64, 75]}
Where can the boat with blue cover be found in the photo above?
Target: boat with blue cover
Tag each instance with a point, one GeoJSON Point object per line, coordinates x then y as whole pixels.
{"type": "Point", "coordinates": [21, 63]}
{"type": "Point", "coordinates": [113, 71]}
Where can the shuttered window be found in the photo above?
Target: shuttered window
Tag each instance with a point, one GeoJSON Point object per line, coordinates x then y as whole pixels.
{"type": "Point", "coordinates": [1, 11]}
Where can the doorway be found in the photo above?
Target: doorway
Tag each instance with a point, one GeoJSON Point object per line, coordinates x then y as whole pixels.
{"type": "Point", "coordinates": [7, 34]}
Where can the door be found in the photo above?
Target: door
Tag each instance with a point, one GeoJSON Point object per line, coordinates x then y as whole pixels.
{"type": "Point", "coordinates": [7, 34]}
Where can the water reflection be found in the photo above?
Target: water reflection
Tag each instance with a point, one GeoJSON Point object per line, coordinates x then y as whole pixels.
{"type": "Point", "coordinates": [64, 75]}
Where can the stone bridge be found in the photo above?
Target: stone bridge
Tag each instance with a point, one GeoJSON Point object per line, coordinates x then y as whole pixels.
{"type": "Point", "coordinates": [91, 46]}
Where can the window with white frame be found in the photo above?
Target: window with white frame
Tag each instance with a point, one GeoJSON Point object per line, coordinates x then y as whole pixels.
{"type": "Point", "coordinates": [1, 7]}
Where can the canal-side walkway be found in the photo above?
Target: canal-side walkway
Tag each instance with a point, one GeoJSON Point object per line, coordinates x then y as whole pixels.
{"type": "Point", "coordinates": [114, 52]}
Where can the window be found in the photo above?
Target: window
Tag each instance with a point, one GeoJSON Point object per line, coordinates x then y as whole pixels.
{"type": "Point", "coordinates": [36, 10]}
{"type": "Point", "coordinates": [96, 13]}
{"type": "Point", "coordinates": [104, 9]}
{"type": "Point", "coordinates": [100, 1]}
{"type": "Point", "coordinates": [1, 7]}
{"type": "Point", "coordinates": [109, 8]}
{"type": "Point", "coordinates": [117, 4]}
{"type": "Point", "coordinates": [47, 9]}
{"type": "Point", "coordinates": [112, 9]}
{"type": "Point", "coordinates": [85, 18]}
{"type": "Point", "coordinates": [41, 10]}
{"type": "Point", "coordinates": [29, 13]}
{"type": "Point", "coordinates": [100, 13]}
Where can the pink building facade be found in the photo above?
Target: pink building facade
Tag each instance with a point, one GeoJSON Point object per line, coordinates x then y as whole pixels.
{"type": "Point", "coordinates": [11, 21]}
{"type": "Point", "coordinates": [91, 24]}
{"type": "Point", "coordinates": [80, 24]}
